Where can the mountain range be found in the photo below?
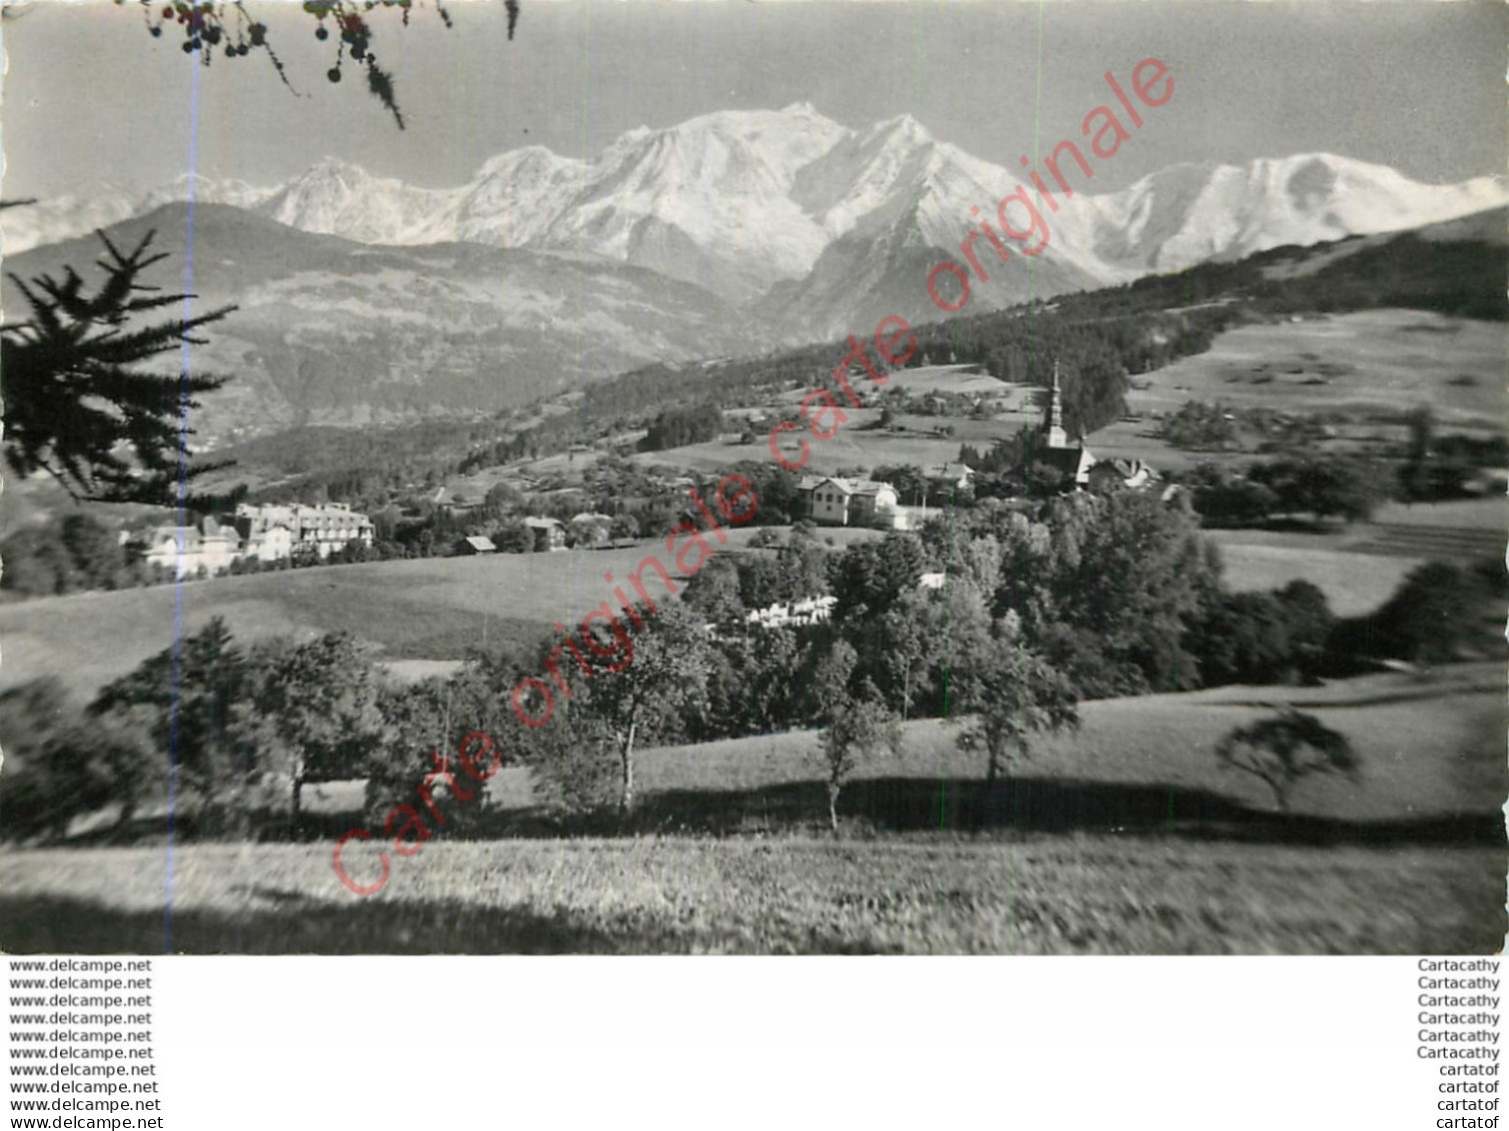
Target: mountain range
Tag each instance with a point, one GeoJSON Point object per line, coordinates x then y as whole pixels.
{"type": "Point", "coordinates": [331, 331]}
{"type": "Point", "coordinates": [732, 231]}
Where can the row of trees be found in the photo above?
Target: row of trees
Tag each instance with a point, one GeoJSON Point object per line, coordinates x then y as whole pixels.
{"type": "Point", "coordinates": [1318, 488]}
{"type": "Point", "coordinates": [1084, 596]}
{"type": "Point", "coordinates": [65, 555]}
{"type": "Point", "coordinates": [231, 725]}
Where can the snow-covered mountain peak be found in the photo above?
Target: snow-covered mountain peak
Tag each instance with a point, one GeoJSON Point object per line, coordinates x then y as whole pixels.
{"type": "Point", "coordinates": [740, 201]}
{"type": "Point", "coordinates": [1189, 213]}
{"type": "Point", "coordinates": [337, 197]}
{"type": "Point", "coordinates": [901, 126]}
{"type": "Point", "coordinates": [531, 160]}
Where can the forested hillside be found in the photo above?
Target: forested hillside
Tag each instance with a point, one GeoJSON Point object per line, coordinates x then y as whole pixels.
{"type": "Point", "coordinates": [1100, 340]}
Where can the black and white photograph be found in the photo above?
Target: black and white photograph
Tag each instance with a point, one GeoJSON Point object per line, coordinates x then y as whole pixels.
{"type": "Point", "coordinates": [753, 478]}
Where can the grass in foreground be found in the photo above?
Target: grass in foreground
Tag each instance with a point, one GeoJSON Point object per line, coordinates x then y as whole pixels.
{"type": "Point", "coordinates": [1060, 895]}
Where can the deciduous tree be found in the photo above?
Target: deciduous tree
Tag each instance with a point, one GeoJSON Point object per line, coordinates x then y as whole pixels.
{"type": "Point", "coordinates": [608, 714]}
{"type": "Point", "coordinates": [323, 701]}
{"type": "Point", "coordinates": [856, 726]}
{"type": "Point", "coordinates": [1015, 695]}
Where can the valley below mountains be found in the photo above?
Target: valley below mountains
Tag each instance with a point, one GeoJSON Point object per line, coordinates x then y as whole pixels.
{"type": "Point", "coordinates": [364, 299]}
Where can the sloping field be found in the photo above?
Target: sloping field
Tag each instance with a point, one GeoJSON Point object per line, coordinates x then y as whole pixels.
{"type": "Point", "coordinates": [1490, 514]}
{"type": "Point", "coordinates": [429, 609]}
{"type": "Point", "coordinates": [1354, 582]}
{"type": "Point", "coordinates": [1456, 544]}
{"type": "Point", "coordinates": [1359, 566]}
{"type": "Point", "coordinates": [426, 609]}
{"type": "Point", "coordinates": [1124, 838]}
{"type": "Point", "coordinates": [1431, 745]}
{"type": "Point", "coordinates": [850, 448]}
{"type": "Point", "coordinates": [949, 379]}
{"type": "Point", "coordinates": [1366, 364]}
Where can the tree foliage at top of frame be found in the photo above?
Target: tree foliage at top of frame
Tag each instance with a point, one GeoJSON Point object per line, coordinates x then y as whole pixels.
{"type": "Point", "coordinates": [225, 28]}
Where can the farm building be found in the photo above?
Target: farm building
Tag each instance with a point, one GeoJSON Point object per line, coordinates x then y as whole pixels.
{"type": "Point", "coordinates": [476, 544]}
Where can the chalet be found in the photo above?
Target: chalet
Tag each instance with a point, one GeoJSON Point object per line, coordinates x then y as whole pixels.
{"type": "Point", "coordinates": [476, 544]}
{"type": "Point", "coordinates": [548, 533]}
{"type": "Point", "coordinates": [324, 529]}
{"type": "Point", "coordinates": [950, 477]}
{"type": "Point", "coordinates": [833, 501]}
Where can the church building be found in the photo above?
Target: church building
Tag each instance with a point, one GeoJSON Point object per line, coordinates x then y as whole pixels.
{"type": "Point", "coordinates": [1073, 460]}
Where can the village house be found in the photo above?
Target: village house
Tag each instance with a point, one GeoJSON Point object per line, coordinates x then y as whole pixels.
{"type": "Point", "coordinates": [950, 477]}
{"type": "Point", "coordinates": [260, 533]}
{"type": "Point", "coordinates": [475, 544]}
{"type": "Point", "coordinates": [275, 543]}
{"type": "Point", "coordinates": [832, 501]}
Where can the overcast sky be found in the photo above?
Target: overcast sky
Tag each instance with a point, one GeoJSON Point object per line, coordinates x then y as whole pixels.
{"type": "Point", "coordinates": [91, 100]}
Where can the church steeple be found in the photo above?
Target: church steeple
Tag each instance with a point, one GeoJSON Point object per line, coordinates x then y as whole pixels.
{"type": "Point", "coordinates": [1057, 437]}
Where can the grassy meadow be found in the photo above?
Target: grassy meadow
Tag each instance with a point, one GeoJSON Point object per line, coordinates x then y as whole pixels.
{"type": "Point", "coordinates": [1363, 370]}
{"type": "Point", "coordinates": [1432, 746]}
{"type": "Point", "coordinates": [1374, 360]}
{"type": "Point", "coordinates": [1360, 565]}
{"type": "Point", "coordinates": [425, 609]}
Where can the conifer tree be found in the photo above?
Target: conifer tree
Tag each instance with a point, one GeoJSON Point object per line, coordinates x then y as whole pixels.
{"type": "Point", "coordinates": [77, 401]}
